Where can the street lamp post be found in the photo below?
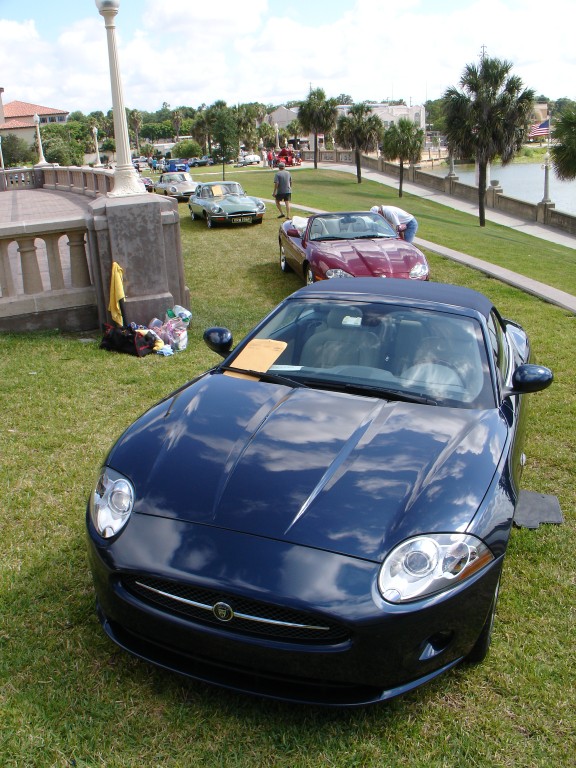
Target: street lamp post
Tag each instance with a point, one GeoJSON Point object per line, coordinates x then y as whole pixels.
{"type": "Point", "coordinates": [1, 155]}
{"type": "Point", "coordinates": [97, 164]}
{"type": "Point", "coordinates": [546, 166]}
{"type": "Point", "coordinates": [41, 158]}
{"type": "Point", "coordinates": [126, 180]}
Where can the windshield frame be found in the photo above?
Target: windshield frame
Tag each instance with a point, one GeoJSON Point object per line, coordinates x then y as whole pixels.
{"type": "Point", "coordinates": [466, 381]}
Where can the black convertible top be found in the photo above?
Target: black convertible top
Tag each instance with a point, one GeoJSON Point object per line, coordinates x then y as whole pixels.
{"type": "Point", "coordinates": [417, 291]}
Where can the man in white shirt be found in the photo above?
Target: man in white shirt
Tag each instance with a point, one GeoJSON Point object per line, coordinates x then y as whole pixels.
{"type": "Point", "coordinates": [399, 220]}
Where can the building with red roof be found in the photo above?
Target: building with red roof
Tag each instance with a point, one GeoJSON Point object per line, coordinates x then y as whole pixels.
{"type": "Point", "coordinates": [17, 117]}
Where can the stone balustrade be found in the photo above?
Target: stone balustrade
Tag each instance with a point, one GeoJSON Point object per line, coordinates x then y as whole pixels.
{"type": "Point", "coordinates": [55, 260]}
{"type": "Point", "coordinates": [42, 277]}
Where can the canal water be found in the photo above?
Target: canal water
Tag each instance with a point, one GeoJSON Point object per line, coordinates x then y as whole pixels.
{"type": "Point", "coordinates": [524, 181]}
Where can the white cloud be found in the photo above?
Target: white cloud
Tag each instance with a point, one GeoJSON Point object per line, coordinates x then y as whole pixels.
{"type": "Point", "coordinates": [189, 54]}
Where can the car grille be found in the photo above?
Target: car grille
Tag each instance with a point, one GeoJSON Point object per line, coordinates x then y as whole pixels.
{"type": "Point", "coordinates": [235, 614]}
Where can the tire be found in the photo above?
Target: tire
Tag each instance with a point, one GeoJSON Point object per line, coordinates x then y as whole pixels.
{"type": "Point", "coordinates": [284, 266]}
{"type": "Point", "coordinates": [482, 645]}
{"type": "Point", "coordinates": [309, 275]}
{"type": "Point", "coordinates": [192, 214]}
{"type": "Point", "coordinates": [209, 223]}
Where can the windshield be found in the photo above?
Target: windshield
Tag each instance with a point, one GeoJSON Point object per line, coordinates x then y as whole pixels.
{"type": "Point", "coordinates": [374, 348]}
{"type": "Point", "coordinates": [227, 188]}
{"type": "Point", "coordinates": [350, 226]}
{"type": "Point", "coordinates": [173, 177]}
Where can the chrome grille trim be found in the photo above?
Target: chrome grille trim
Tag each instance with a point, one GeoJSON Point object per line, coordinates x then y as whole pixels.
{"type": "Point", "coordinates": [245, 616]}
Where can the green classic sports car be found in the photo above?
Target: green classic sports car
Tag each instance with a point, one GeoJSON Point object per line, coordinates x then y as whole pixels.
{"type": "Point", "coordinates": [225, 202]}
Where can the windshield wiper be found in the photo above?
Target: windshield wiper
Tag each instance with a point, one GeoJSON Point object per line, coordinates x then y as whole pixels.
{"type": "Point", "coordinates": [371, 389]}
{"type": "Point", "coordinates": [389, 394]}
{"type": "Point", "coordinates": [271, 378]}
{"type": "Point", "coordinates": [372, 236]}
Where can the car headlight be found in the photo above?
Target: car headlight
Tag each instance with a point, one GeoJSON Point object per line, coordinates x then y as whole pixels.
{"type": "Point", "coordinates": [418, 270]}
{"type": "Point", "coordinates": [172, 190]}
{"type": "Point", "coordinates": [337, 273]}
{"type": "Point", "coordinates": [427, 564]}
{"type": "Point", "coordinates": [111, 503]}
{"type": "Point", "coordinates": [217, 209]}
{"type": "Point", "coordinates": [260, 206]}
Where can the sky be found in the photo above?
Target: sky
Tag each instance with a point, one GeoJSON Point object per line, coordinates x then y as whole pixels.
{"type": "Point", "coordinates": [188, 53]}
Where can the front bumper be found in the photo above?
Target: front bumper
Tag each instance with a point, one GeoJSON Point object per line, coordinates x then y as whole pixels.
{"type": "Point", "coordinates": [150, 581]}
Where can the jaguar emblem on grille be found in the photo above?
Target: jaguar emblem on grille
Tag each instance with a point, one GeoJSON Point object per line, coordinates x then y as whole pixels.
{"type": "Point", "coordinates": [223, 612]}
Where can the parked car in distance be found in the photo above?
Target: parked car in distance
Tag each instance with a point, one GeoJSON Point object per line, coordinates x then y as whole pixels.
{"type": "Point", "coordinates": [204, 160]}
{"type": "Point", "coordinates": [323, 516]}
{"type": "Point", "coordinates": [176, 184]}
{"type": "Point", "coordinates": [148, 183]}
{"type": "Point", "coordinates": [347, 244]}
{"type": "Point", "coordinates": [177, 164]}
{"type": "Point", "coordinates": [249, 160]}
{"type": "Point", "coordinates": [225, 202]}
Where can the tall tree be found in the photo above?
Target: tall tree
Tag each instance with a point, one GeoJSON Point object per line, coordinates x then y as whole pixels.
{"type": "Point", "coordinates": [487, 117]}
{"type": "Point", "coordinates": [361, 130]}
{"type": "Point", "coordinates": [318, 115]}
{"type": "Point", "coordinates": [225, 132]}
{"type": "Point", "coordinates": [135, 123]}
{"type": "Point", "coordinates": [177, 117]}
{"type": "Point", "coordinates": [403, 141]}
{"type": "Point", "coordinates": [563, 150]}
{"type": "Point", "coordinates": [16, 151]}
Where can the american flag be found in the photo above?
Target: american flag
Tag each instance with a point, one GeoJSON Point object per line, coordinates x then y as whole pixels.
{"type": "Point", "coordinates": [540, 129]}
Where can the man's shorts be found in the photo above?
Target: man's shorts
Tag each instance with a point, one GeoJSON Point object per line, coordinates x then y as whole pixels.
{"type": "Point", "coordinates": [285, 196]}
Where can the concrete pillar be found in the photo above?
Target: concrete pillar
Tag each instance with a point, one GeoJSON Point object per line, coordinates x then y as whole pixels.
{"type": "Point", "coordinates": [141, 234]}
{"type": "Point", "coordinates": [31, 278]}
{"type": "Point", "coordinates": [54, 262]}
{"type": "Point", "coordinates": [79, 273]}
{"type": "Point", "coordinates": [6, 278]}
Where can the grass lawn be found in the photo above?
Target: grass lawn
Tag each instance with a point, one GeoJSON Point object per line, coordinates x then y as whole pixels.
{"type": "Point", "coordinates": [68, 697]}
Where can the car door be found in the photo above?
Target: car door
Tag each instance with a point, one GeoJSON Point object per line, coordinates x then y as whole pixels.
{"type": "Point", "coordinates": [295, 247]}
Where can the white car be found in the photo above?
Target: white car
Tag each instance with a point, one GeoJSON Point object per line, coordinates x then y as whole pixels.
{"type": "Point", "coordinates": [249, 160]}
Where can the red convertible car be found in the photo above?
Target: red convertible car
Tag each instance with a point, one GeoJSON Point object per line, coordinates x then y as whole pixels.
{"type": "Point", "coordinates": [347, 244]}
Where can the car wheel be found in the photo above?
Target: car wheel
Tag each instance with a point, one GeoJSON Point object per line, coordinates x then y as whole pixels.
{"type": "Point", "coordinates": [482, 645]}
{"type": "Point", "coordinates": [310, 276]}
{"type": "Point", "coordinates": [284, 266]}
{"type": "Point", "coordinates": [209, 222]}
{"type": "Point", "coordinates": [192, 214]}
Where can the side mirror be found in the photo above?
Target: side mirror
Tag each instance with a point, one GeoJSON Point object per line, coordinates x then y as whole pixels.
{"type": "Point", "coordinates": [219, 340]}
{"type": "Point", "coordinates": [293, 232]}
{"type": "Point", "coordinates": [529, 378]}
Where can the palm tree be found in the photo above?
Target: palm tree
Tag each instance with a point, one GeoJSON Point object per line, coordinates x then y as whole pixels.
{"type": "Point", "coordinates": [177, 117]}
{"type": "Point", "coordinates": [360, 130]}
{"type": "Point", "coordinates": [487, 118]}
{"type": "Point", "coordinates": [563, 150]}
{"type": "Point", "coordinates": [135, 123]}
{"type": "Point", "coordinates": [318, 115]}
{"type": "Point", "coordinates": [403, 141]}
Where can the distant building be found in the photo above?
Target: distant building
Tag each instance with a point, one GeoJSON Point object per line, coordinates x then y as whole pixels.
{"type": "Point", "coordinates": [17, 117]}
{"type": "Point", "coordinates": [390, 114]}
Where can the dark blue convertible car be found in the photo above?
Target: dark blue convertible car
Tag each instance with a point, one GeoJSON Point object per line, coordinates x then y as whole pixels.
{"type": "Point", "coordinates": [323, 516]}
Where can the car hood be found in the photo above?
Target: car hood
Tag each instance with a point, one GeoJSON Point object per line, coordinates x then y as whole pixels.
{"type": "Point", "coordinates": [235, 202]}
{"type": "Point", "coordinates": [368, 258]}
{"type": "Point", "coordinates": [348, 474]}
